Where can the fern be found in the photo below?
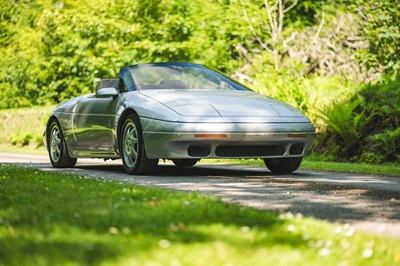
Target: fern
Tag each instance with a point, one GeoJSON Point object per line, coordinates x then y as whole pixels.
{"type": "Point", "coordinates": [367, 127]}
{"type": "Point", "coordinates": [387, 143]}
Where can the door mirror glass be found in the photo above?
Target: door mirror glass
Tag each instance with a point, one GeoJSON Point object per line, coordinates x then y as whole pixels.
{"type": "Point", "coordinates": [106, 92]}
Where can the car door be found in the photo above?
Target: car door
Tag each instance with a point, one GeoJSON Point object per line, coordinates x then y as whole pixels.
{"type": "Point", "coordinates": [93, 125]}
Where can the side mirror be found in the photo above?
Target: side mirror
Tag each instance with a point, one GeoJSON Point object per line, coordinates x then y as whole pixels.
{"type": "Point", "coordinates": [107, 92]}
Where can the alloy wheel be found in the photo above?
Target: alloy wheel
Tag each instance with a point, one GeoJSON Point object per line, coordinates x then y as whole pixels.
{"type": "Point", "coordinates": [130, 144]}
{"type": "Point", "coordinates": [55, 144]}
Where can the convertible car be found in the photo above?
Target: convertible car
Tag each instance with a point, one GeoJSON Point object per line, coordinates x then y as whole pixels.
{"type": "Point", "coordinates": [183, 112]}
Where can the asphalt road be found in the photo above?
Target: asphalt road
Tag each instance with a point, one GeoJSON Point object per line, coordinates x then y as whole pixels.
{"type": "Point", "coordinates": [366, 202]}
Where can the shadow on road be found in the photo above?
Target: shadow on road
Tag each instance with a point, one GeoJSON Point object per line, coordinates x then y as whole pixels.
{"type": "Point", "coordinates": [170, 170]}
{"type": "Point", "coordinates": [202, 170]}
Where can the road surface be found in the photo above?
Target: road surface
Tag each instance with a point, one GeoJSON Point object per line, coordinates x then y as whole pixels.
{"type": "Point", "coordinates": [366, 202]}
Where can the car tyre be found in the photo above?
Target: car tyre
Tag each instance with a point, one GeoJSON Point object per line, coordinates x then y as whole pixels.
{"type": "Point", "coordinates": [283, 165]}
{"type": "Point", "coordinates": [185, 162]}
{"type": "Point", "coordinates": [57, 147]}
{"type": "Point", "coordinates": [132, 148]}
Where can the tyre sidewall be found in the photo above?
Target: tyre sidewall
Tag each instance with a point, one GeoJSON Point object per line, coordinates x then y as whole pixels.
{"type": "Point", "coordinates": [283, 165]}
{"type": "Point", "coordinates": [54, 124]}
{"type": "Point", "coordinates": [63, 160]}
{"type": "Point", "coordinates": [185, 162]}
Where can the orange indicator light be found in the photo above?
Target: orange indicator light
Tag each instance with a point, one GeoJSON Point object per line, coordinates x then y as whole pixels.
{"type": "Point", "coordinates": [210, 136]}
{"type": "Point", "coordinates": [297, 135]}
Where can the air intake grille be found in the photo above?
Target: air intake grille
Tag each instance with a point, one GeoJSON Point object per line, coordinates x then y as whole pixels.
{"type": "Point", "coordinates": [255, 151]}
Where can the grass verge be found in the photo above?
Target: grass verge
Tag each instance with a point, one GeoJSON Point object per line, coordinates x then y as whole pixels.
{"type": "Point", "coordinates": [55, 219]}
{"type": "Point", "coordinates": [22, 129]}
{"type": "Point", "coordinates": [31, 149]}
{"type": "Point", "coordinates": [310, 163]}
{"type": "Point", "coordinates": [360, 168]}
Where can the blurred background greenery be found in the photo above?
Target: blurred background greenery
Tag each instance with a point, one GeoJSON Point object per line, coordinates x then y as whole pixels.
{"type": "Point", "coordinates": [337, 61]}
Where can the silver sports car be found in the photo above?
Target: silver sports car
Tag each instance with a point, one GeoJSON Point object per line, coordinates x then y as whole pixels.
{"type": "Point", "coordinates": [178, 111]}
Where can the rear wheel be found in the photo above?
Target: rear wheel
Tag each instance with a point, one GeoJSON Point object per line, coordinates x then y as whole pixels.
{"type": "Point", "coordinates": [132, 148]}
{"type": "Point", "coordinates": [57, 147]}
{"type": "Point", "coordinates": [185, 162]}
{"type": "Point", "coordinates": [283, 165]}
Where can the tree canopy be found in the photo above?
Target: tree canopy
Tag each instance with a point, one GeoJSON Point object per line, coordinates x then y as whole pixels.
{"type": "Point", "coordinates": [51, 51]}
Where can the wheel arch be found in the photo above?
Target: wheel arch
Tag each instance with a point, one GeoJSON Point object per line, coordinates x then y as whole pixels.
{"type": "Point", "coordinates": [47, 130]}
{"type": "Point", "coordinates": [120, 123]}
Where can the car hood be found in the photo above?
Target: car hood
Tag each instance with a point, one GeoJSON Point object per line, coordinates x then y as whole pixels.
{"type": "Point", "coordinates": [213, 103]}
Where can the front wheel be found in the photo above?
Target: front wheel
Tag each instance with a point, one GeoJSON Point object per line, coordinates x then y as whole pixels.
{"type": "Point", "coordinates": [283, 165]}
{"type": "Point", "coordinates": [57, 147]}
{"type": "Point", "coordinates": [132, 148]}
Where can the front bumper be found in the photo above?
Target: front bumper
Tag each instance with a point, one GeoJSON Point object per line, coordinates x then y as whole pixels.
{"type": "Point", "coordinates": [171, 140]}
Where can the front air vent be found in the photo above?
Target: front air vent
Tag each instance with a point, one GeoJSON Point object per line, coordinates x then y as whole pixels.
{"type": "Point", "coordinates": [250, 151]}
{"type": "Point", "coordinates": [199, 150]}
{"type": "Point", "coordinates": [296, 149]}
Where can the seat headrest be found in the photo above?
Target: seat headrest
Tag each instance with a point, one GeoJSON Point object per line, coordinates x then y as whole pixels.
{"type": "Point", "coordinates": [172, 84]}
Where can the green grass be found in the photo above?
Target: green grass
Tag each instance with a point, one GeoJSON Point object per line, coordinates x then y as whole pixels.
{"type": "Point", "coordinates": [55, 219]}
{"type": "Point", "coordinates": [30, 149]}
{"type": "Point", "coordinates": [311, 163]}
{"type": "Point", "coordinates": [361, 168]}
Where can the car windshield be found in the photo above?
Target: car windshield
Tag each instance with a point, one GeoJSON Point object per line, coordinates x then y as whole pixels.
{"type": "Point", "coordinates": [180, 76]}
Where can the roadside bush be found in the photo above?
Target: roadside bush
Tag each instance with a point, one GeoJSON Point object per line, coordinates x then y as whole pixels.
{"type": "Point", "coordinates": [386, 144]}
{"type": "Point", "coordinates": [366, 128]}
{"type": "Point", "coordinates": [27, 139]}
{"type": "Point", "coordinates": [22, 140]}
{"type": "Point", "coordinates": [38, 141]}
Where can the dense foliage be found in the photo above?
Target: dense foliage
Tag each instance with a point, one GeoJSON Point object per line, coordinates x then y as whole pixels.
{"type": "Point", "coordinates": [312, 54]}
{"type": "Point", "coordinates": [380, 22]}
{"type": "Point", "coordinates": [367, 127]}
{"type": "Point", "coordinates": [65, 45]}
